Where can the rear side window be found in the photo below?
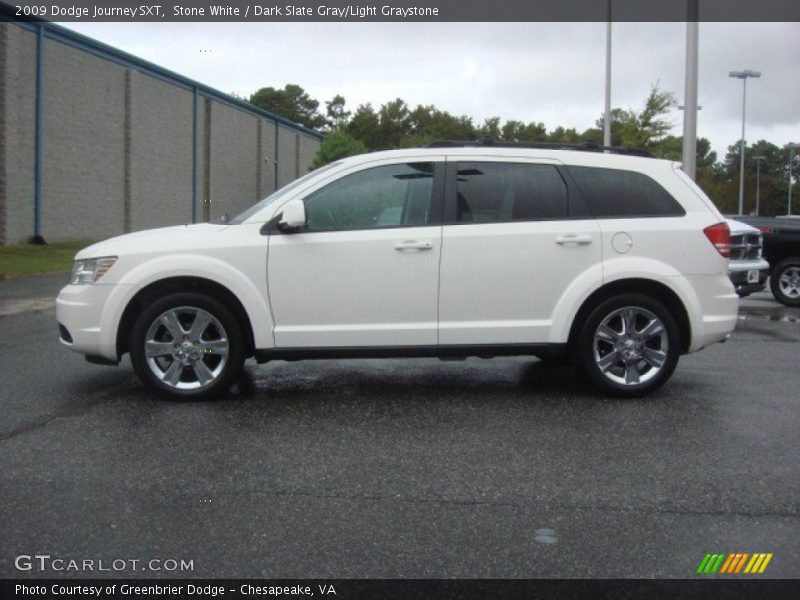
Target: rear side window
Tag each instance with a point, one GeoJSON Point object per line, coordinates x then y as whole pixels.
{"type": "Point", "coordinates": [616, 193]}
{"type": "Point", "coordinates": [491, 192]}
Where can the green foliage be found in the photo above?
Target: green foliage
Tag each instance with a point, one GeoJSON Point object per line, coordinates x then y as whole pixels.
{"type": "Point", "coordinates": [337, 144]}
{"type": "Point", "coordinates": [517, 131]}
{"type": "Point", "coordinates": [396, 125]}
{"type": "Point", "coordinates": [337, 115]}
{"type": "Point", "coordinates": [292, 103]}
{"type": "Point", "coordinates": [490, 128]}
{"type": "Point", "coordinates": [364, 126]}
{"type": "Point", "coordinates": [560, 135]}
{"type": "Point", "coordinates": [769, 181]}
{"type": "Point", "coordinates": [428, 123]}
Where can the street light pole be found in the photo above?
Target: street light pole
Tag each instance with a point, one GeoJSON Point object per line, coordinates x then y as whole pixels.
{"type": "Point", "coordinates": [743, 75]}
{"type": "Point", "coordinates": [758, 160]}
{"type": "Point", "coordinates": [690, 91]}
{"type": "Point", "coordinates": [607, 111]}
{"type": "Point", "coordinates": [791, 160]}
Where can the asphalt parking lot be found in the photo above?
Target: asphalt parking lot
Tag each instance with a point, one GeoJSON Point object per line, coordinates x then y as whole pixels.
{"type": "Point", "coordinates": [401, 468]}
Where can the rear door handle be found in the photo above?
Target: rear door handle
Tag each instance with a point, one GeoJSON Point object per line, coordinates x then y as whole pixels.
{"type": "Point", "coordinates": [572, 239]}
{"type": "Point", "coordinates": [413, 245]}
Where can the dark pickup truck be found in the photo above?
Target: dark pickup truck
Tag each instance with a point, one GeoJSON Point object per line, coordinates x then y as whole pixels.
{"type": "Point", "coordinates": [782, 250]}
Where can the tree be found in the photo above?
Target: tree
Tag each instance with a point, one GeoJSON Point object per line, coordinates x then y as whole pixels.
{"type": "Point", "coordinates": [643, 129]}
{"type": "Point", "coordinates": [490, 128]}
{"type": "Point", "coordinates": [337, 115]}
{"type": "Point", "coordinates": [337, 144]}
{"type": "Point", "coordinates": [517, 131]}
{"type": "Point", "coordinates": [292, 103]}
{"type": "Point", "coordinates": [560, 135]}
{"type": "Point", "coordinates": [669, 147]}
{"type": "Point", "coordinates": [619, 116]}
{"type": "Point", "coordinates": [706, 157]}
{"type": "Point", "coordinates": [364, 126]}
{"type": "Point", "coordinates": [395, 123]}
{"type": "Point", "coordinates": [649, 126]}
{"type": "Point", "coordinates": [428, 124]}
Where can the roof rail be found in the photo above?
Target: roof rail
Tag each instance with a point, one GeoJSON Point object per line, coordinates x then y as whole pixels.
{"type": "Point", "coordinates": [584, 147]}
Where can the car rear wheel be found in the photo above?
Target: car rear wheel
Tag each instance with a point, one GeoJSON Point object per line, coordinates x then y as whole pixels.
{"type": "Point", "coordinates": [628, 345]}
{"type": "Point", "coordinates": [187, 346]}
{"type": "Point", "coordinates": [785, 281]}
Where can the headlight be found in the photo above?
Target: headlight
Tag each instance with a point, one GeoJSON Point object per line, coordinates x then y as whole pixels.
{"type": "Point", "coordinates": [89, 270]}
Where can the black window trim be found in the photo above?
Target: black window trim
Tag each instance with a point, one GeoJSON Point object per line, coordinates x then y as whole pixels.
{"type": "Point", "coordinates": [434, 214]}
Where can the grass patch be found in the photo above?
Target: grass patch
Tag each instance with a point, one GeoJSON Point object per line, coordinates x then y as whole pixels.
{"type": "Point", "coordinates": [30, 259]}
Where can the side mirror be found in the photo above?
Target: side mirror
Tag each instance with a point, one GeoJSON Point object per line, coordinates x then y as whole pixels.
{"type": "Point", "coordinates": [293, 217]}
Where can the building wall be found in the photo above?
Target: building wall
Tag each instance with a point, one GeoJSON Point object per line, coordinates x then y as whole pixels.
{"type": "Point", "coordinates": [287, 156]}
{"type": "Point", "coordinates": [17, 133]}
{"type": "Point", "coordinates": [268, 159]}
{"type": "Point", "coordinates": [117, 145]}
{"type": "Point", "coordinates": [160, 154]}
{"type": "Point", "coordinates": [234, 160]}
{"type": "Point", "coordinates": [84, 150]}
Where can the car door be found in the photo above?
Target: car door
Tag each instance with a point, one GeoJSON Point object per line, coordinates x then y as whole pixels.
{"type": "Point", "coordinates": [512, 242]}
{"type": "Point", "coordinates": [365, 270]}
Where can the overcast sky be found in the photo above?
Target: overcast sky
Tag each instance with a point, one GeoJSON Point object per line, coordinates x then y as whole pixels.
{"type": "Point", "coordinates": [553, 73]}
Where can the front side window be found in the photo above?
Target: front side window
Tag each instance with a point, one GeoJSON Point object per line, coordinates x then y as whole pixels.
{"type": "Point", "coordinates": [610, 193]}
{"type": "Point", "coordinates": [490, 192]}
{"type": "Point", "coordinates": [380, 197]}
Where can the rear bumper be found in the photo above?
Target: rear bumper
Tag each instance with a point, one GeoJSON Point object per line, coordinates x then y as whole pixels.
{"type": "Point", "coordinates": [718, 310]}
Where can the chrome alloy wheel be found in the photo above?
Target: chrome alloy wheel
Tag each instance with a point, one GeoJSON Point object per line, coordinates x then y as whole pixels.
{"type": "Point", "coordinates": [789, 282]}
{"type": "Point", "coordinates": [186, 348]}
{"type": "Point", "coordinates": [630, 345]}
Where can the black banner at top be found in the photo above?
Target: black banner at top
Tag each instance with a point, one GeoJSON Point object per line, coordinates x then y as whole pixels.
{"type": "Point", "coordinates": [402, 10]}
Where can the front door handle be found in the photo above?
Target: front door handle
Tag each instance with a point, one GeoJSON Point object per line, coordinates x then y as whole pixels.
{"type": "Point", "coordinates": [572, 239]}
{"type": "Point", "coordinates": [413, 245]}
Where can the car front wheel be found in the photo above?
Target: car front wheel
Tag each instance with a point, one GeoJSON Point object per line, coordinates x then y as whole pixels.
{"type": "Point", "coordinates": [629, 345]}
{"type": "Point", "coordinates": [785, 281]}
{"type": "Point", "coordinates": [187, 345]}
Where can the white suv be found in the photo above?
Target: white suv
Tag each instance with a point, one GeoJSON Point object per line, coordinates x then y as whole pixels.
{"type": "Point", "coordinates": [615, 260]}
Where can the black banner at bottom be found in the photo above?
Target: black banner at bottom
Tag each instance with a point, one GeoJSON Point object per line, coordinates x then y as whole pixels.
{"type": "Point", "coordinates": [390, 589]}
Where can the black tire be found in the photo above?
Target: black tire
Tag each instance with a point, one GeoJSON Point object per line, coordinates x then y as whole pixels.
{"type": "Point", "coordinates": [223, 326]}
{"type": "Point", "coordinates": [666, 342]}
{"type": "Point", "coordinates": [785, 268]}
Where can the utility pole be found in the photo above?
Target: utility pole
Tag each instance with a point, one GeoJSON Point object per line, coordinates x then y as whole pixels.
{"type": "Point", "coordinates": [743, 75]}
{"type": "Point", "coordinates": [690, 91]}
{"type": "Point", "coordinates": [607, 112]}
{"type": "Point", "coordinates": [758, 160]}
{"type": "Point", "coordinates": [791, 160]}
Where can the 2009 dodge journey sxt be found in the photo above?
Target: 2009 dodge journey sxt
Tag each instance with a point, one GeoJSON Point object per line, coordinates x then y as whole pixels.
{"type": "Point", "coordinates": [615, 260]}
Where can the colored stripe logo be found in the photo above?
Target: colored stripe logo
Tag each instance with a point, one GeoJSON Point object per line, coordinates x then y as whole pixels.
{"type": "Point", "coordinates": [734, 563]}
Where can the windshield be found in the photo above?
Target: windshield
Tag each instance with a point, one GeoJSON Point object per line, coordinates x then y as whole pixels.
{"type": "Point", "coordinates": [277, 195]}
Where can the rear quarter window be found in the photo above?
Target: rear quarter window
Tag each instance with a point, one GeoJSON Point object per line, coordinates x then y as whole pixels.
{"type": "Point", "coordinates": [612, 193]}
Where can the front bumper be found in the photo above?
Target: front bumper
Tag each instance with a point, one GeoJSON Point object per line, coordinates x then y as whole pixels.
{"type": "Point", "coordinates": [79, 312]}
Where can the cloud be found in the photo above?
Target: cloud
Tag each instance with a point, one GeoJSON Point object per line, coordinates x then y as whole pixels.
{"type": "Point", "coordinates": [548, 72]}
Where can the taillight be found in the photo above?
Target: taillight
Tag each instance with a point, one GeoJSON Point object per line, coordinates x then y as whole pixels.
{"type": "Point", "coordinates": [720, 236]}
{"type": "Point", "coordinates": [765, 229]}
